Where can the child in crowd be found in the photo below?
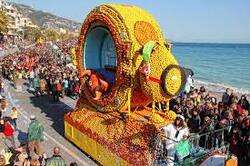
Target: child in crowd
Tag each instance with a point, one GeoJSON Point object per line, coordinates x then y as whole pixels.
{"type": "Point", "coordinates": [14, 115]}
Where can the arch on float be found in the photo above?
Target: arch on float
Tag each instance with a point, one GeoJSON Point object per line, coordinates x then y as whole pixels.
{"type": "Point", "coordinates": [100, 53]}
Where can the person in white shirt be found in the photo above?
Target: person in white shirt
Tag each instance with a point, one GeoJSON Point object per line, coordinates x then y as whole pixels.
{"type": "Point", "coordinates": [189, 84]}
{"type": "Point", "coordinates": [32, 76]}
{"type": "Point", "coordinates": [173, 133]}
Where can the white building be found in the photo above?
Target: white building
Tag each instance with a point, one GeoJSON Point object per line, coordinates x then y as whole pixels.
{"type": "Point", "coordinates": [19, 22]}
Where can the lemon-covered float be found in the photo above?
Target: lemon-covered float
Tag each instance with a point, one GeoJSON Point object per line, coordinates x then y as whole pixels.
{"type": "Point", "coordinates": [123, 44]}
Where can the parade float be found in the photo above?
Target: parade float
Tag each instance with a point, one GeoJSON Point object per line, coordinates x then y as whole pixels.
{"type": "Point", "coordinates": [125, 45]}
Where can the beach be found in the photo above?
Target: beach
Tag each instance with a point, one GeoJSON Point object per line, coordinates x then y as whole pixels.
{"type": "Point", "coordinates": [215, 93]}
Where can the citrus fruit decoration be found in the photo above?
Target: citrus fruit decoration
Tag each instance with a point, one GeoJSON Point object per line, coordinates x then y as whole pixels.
{"type": "Point", "coordinates": [144, 32]}
{"type": "Point", "coordinates": [125, 46]}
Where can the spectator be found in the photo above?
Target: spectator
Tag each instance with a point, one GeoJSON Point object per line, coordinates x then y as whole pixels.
{"type": "Point", "coordinates": [189, 84]}
{"type": "Point", "coordinates": [31, 77]}
{"type": "Point", "coordinates": [225, 97]}
{"type": "Point", "coordinates": [235, 142]}
{"type": "Point", "coordinates": [56, 159]}
{"type": "Point", "coordinates": [35, 137]}
{"type": "Point", "coordinates": [9, 133]}
{"type": "Point", "coordinates": [1, 86]}
{"type": "Point", "coordinates": [243, 103]}
{"type": "Point", "coordinates": [73, 164]}
{"type": "Point", "coordinates": [195, 122]}
{"type": "Point", "coordinates": [14, 115]}
{"type": "Point", "coordinates": [36, 85]}
{"type": "Point", "coordinates": [65, 86]}
{"type": "Point", "coordinates": [2, 160]}
{"type": "Point", "coordinates": [20, 155]}
{"type": "Point", "coordinates": [1, 126]}
{"type": "Point", "coordinates": [173, 133]}
{"type": "Point", "coordinates": [42, 86]}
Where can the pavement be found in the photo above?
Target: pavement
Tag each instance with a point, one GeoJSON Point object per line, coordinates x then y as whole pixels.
{"type": "Point", "coordinates": [50, 114]}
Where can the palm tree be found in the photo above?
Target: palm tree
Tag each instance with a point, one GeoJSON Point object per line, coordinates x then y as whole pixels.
{"type": "Point", "coordinates": [5, 21]}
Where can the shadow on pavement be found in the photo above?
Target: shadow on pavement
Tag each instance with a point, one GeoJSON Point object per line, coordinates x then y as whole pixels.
{"type": "Point", "coordinates": [53, 110]}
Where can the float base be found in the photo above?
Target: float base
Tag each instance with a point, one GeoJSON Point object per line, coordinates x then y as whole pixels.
{"type": "Point", "coordinates": [109, 139]}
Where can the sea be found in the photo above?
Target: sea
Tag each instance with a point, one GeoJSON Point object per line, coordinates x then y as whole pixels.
{"type": "Point", "coordinates": [217, 66]}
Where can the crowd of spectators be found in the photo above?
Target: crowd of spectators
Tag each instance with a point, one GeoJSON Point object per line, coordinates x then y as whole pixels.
{"type": "Point", "coordinates": [205, 112]}
{"type": "Point", "coordinates": [47, 70]}
{"type": "Point", "coordinates": [6, 46]}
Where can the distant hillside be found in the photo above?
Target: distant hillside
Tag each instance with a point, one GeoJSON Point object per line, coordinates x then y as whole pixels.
{"type": "Point", "coordinates": [47, 20]}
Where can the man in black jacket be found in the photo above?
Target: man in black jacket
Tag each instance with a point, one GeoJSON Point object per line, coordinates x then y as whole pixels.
{"type": "Point", "coordinates": [225, 97]}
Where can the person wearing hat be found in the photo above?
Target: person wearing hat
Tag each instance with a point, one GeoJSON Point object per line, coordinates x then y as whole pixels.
{"type": "Point", "coordinates": [35, 137]}
{"type": "Point", "coordinates": [173, 133]}
{"type": "Point", "coordinates": [2, 160]}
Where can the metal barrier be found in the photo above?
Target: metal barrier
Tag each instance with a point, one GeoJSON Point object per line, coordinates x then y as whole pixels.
{"type": "Point", "coordinates": [210, 139]}
{"type": "Point", "coordinates": [213, 142]}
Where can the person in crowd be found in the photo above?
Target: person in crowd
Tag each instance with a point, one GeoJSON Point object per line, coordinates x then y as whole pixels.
{"type": "Point", "coordinates": [43, 85]}
{"type": "Point", "coordinates": [65, 86]}
{"type": "Point", "coordinates": [14, 116]}
{"type": "Point", "coordinates": [206, 126]}
{"type": "Point", "coordinates": [35, 137]}
{"type": "Point", "coordinates": [76, 91]}
{"type": "Point", "coordinates": [243, 104]}
{"type": "Point", "coordinates": [58, 88]}
{"type": "Point", "coordinates": [1, 126]}
{"type": "Point", "coordinates": [173, 133]}
{"type": "Point", "coordinates": [54, 90]}
{"type": "Point", "coordinates": [195, 122]}
{"type": "Point", "coordinates": [73, 164]}
{"type": "Point", "coordinates": [56, 159]}
{"type": "Point", "coordinates": [8, 132]}
{"type": "Point", "coordinates": [31, 162]}
{"type": "Point", "coordinates": [1, 86]}
{"type": "Point", "coordinates": [31, 78]}
{"type": "Point", "coordinates": [14, 78]}
{"type": "Point", "coordinates": [95, 82]}
{"type": "Point", "coordinates": [19, 155]}
{"type": "Point", "coordinates": [189, 84]}
{"type": "Point", "coordinates": [49, 84]}
{"type": "Point", "coordinates": [36, 85]}
{"type": "Point", "coordinates": [225, 97]}
{"type": "Point", "coordinates": [235, 142]}
{"type": "Point", "coordinates": [246, 147]}
{"type": "Point", "coordinates": [2, 160]}
{"type": "Point", "coordinates": [232, 98]}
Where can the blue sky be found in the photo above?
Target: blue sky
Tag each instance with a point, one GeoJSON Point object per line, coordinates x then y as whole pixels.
{"type": "Point", "coordinates": [181, 20]}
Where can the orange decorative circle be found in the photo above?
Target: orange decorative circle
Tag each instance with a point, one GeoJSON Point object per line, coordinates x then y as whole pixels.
{"type": "Point", "coordinates": [145, 32]}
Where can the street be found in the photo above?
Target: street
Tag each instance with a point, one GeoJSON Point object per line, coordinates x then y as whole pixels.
{"type": "Point", "coordinates": [50, 114]}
